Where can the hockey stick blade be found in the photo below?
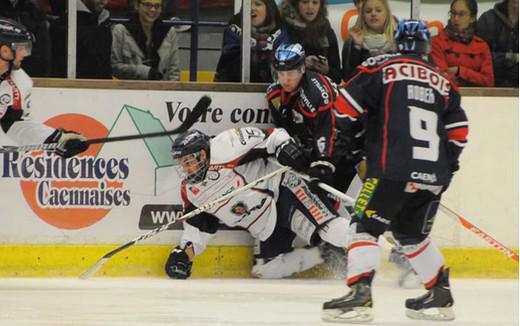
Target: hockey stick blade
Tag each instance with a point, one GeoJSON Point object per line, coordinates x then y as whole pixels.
{"type": "Point", "coordinates": [199, 109]}
{"type": "Point", "coordinates": [91, 271]}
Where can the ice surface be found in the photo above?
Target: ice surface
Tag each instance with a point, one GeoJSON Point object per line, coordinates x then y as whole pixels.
{"type": "Point", "coordinates": [154, 301]}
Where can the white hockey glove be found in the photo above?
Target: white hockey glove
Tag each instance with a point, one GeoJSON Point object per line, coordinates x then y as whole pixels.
{"type": "Point", "coordinates": [70, 143]}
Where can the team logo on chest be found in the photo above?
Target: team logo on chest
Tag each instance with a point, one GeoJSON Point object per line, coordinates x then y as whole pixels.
{"type": "Point", "coordinates": [5, 99]}
{"type": "Point", "coordinates": [194, 190]}
{"type": "Point", "coordinates": [239, 208]}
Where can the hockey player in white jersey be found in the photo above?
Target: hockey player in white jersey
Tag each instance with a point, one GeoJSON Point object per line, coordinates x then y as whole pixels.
{"type": "Point", "coordinates": [275, 210]}
{"type": "Point", "coordinates": [15, 95]}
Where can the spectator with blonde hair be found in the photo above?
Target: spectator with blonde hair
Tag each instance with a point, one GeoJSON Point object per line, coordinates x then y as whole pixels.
{"type": "Point", "coordinates": [373, 34]}
{"type": "Point", "coordinates": [459, 52]}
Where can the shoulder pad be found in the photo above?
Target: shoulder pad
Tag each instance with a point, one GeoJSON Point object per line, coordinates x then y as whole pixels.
{"type": "Point", "coordinates": [273, 88]}
{"type": "Point", "coordinates": [317, 93]}
{"type": "Point", "coordinates": [378, 60]}
{"type": "Point", "coordinates": [232, 144]}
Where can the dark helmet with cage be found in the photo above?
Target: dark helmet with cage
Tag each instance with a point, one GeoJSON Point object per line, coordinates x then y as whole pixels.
{"type": "Point", "coordinates": [15, 35]}
{"type": "Point", "coordinates": [413, 37]}
{"type": "Point", "coordinates": [190, 150]}
{"type": "Point", "coordinates": [288, 57]}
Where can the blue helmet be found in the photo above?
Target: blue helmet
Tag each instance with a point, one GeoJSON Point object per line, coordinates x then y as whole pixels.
{"type": "Point", "coordinates": [288, 57]}
{"type": "Point", "coordinates": [412, 36]}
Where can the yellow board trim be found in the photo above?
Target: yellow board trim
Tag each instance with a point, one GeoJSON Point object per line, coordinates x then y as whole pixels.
{"type": "Point", "coordinates": [202, 76]}
{"type": "Point", "coordinates": [221, 262]}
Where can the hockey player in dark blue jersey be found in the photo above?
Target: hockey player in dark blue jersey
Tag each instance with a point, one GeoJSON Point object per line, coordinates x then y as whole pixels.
{"type": "Point", "coordinates": [415, 130]}
{"type": "Point", "coordinates": [305, 103]}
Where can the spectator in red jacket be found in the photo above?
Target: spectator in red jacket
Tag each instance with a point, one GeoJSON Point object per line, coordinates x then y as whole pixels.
{"type": "Point", "coordinates": [458, 51]}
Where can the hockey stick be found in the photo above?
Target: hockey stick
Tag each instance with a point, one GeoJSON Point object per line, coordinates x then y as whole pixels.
{"type": "Point", "coordinates": [478, 231]}
{"type": "Point", "coordinates": [201, 107]}
{"type": "Point", "coordinates": [91, 271]}
{"type": "Point", "coordinates": [468, 225]}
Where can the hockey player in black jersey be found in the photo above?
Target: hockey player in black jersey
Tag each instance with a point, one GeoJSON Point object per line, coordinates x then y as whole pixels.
{"type": "Point", "coordinates": [312, 109]}
{"type": "Point", "coordinates": [307, 105]}
{"type": "Point", "coordinates": [15, 95]}
{"type": "Point", "coordinates": [415, 132]}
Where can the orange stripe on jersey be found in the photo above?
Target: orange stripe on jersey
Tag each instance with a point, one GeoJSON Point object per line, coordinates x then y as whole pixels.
{"type": "Point", "coordinates": [268, 131]}
{"type": "Point", "coordinates": [428, 285]}
{"type": "Point", "coordinates": [274, 93]}
{"type": "Point", "coordinates": [418, 251]}
{"type": "Point", "coordinates": [458, 134]}
{"type": "Point", "coordinates": [184, 195]}
{"type": "Point", "coordinates": [344, 107]}
{"type": "Point", "coordinates": [359, 244]}
{"type": "Point", "coordinates": [385, 127]}
{"type": "Point", "coordinates": [354, 279]}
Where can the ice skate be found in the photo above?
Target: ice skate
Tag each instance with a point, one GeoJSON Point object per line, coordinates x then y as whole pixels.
{"type": "Point", "coordinates": [355, 307]}
{"type": "Point", "coordinates": [436, 304]}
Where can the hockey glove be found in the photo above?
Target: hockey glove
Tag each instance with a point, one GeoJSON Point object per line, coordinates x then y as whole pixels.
{"type": "Point", "coordinates": [290, 154]}
{"type": "Point", "coordinates": [320, 171]}
{"type": "Point", "coordinates": [70, 143]}
{"type": "Point", "coordinates": [178, 265]}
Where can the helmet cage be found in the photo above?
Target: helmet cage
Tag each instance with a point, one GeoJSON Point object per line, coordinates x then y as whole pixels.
{"type": "Point", "coordinates": [186, 152]}
{"type": "Point", "coordinates": [192, 167]}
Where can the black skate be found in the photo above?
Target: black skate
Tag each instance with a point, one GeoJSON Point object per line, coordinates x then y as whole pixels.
{"type": "Point", "coordinates": [355, 307]}
{"type": "Point", "coordinates": [336, 258]}
{"type": "Point", "coordinates": [436, 304]}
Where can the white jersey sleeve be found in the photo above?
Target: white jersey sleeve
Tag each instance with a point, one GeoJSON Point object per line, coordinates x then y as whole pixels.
{"type": "Point", "coordinates": [15, 109]}
{"type": "Point", "coordinates": [198, 238]}
{"type": "Point", "coordinates": [228, 147]}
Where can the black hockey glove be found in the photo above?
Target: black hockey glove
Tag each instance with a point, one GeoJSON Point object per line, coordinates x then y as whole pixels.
{"type": "Point", "coordinates": [290, 154]}
{"type": "Point", "coordinates": [70, 143]}
{"type": "Point", "coordinates": [178, 265]}
{"type": "Point", "coordinates": [320, 171]}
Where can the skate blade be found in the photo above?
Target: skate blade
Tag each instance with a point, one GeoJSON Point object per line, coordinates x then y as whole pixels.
{"type": "Point", "coordinates": [359, 315]}
{"type": "Point", "coordinates": [438, 314]}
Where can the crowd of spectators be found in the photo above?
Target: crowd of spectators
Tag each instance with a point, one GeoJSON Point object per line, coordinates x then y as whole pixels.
{"type": "Point", "coordinates": [474, 50]}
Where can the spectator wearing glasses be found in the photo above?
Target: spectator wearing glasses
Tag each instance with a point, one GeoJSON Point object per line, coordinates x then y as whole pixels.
{"type": "Point", "coordinates": [307, 24]}
{"type": "Point", "coordinates": [459, 52]}
{"type": "Point", "coordinates": [499, 28]}
{"type": "Point", "coordinates": [266, 35]}
{"type": "Point", "coordinates": [145, 48]}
